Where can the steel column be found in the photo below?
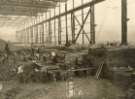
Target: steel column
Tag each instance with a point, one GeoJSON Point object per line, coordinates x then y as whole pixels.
{"type": "Point", "coordinates": [36, 32]}
{"type": "Point", "coordinates": [50, 29]}
{"type": "Point", "coordinates": [82, 12]}
{"type": "Point", "coordinates": [92, 24]}
{"type": "Point", "coordinates": [73, 24]}
{"type": "Point", "coordinates": [124, 22]}
{"type": "Point", "coordinates": [55, 42]}
{"type": "Point", "coordinates": [59, 26]}
{"type": "Point", "coordinates": [66, 23]}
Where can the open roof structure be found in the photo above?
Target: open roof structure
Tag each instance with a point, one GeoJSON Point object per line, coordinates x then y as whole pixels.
{"type": "Point", "coordinates": [16, 11]}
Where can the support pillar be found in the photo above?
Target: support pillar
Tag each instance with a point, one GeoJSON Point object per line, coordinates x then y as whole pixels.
{"type": "Point", "coordinates": [50, 29]}
{"type": "Point", "coordinates": [92, 24]}
{"type": "Point", "coordinates": [59, 26]}
{"type": "Point", "coordinates": [66, 22]}
{"type": "Point", "coordinates": [36, 38]}
{"type": "Point", "coordinates": [124, 22]}
{"type": "Point", "coordinates": [55, 42]}
{"type": "Point", "coordinates": [82, 22]}
{"type": "Point", "coordinates": [43, 33]}
{"type": "Point", "coordinates": [73, 24]}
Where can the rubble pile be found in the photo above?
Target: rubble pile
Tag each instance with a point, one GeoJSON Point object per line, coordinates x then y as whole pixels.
{"type": "Point", "coordinates": [45, 65]}
{"type": "Point", "coordinates": [119, 65]}
{"type": "Point", "coordinates": [42, 64]}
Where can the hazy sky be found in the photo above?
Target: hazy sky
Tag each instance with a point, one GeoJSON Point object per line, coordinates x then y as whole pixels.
{"type": "Point", "coordinates": [7, 33]}
{"type": "Point", "coordinates": [108, 17]}
{"type": "Point", "coordinates": [108, 20]}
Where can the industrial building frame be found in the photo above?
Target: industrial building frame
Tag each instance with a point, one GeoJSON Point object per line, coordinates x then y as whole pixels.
{"type": "Point", "coordinates": [36, 32]}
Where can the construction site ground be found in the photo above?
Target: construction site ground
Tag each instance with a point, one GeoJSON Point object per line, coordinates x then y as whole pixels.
{"type": "Point", "coordinates": [109, 85]}
{"type": "Point", "coordinates": [84, 88]}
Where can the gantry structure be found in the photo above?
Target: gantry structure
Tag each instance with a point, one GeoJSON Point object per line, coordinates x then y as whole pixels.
{"type": "Point", "coordinates": [44, 22]}
{"type": "Point", "coordinates": [60, 27]}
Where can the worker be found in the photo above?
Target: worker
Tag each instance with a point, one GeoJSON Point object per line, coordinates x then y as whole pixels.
{"type": "Point", "coordinates": [54, 57]}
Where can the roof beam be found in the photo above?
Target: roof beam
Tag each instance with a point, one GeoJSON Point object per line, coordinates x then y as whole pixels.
{"type": "Point", "coordinates": [58, 0]}
{"type": "Point", "coordinates": [17, 13]}
{"type": "Point", "coordinates": [20, 11]}
{"type": "Point", "coordinates": [38, 4]}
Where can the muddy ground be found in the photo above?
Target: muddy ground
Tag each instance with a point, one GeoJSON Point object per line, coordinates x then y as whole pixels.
{"type": "Point", "coordinates": [84, 88]}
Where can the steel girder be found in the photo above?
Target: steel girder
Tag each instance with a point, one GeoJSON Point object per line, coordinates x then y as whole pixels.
{"type": "Point", "coordinates": [70, 11]}
{"type": "Point", "coordinates": [28, 3]}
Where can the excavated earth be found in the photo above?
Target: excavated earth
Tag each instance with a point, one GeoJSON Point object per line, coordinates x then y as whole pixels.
{"type": "Point", "coordinates": [114, 82]}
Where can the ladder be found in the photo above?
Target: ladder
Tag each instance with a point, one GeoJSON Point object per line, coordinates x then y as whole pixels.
{"type": "Point", "coordinates": [99, 70]}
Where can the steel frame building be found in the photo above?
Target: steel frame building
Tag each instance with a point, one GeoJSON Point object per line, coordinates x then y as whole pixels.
{"type": "Point", "coordinates": [49, 30]}
{"type": "Point", "coordinates": [43, 22]}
